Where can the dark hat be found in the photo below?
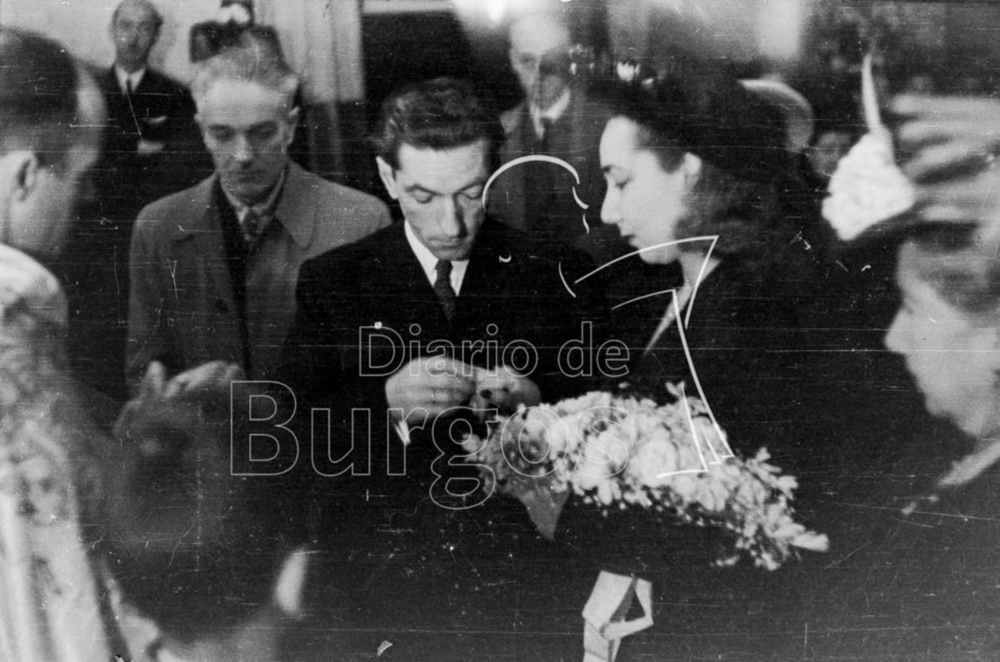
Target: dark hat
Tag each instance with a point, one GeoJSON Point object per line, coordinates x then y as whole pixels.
{"type": "Point", "coordinates": [699, 105]}
{"type": "Point", "coordinates": [797, 114]}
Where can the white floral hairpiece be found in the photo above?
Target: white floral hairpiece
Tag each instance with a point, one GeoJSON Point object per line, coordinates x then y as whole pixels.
{"type": "Point", "coordinates": [867, 187]}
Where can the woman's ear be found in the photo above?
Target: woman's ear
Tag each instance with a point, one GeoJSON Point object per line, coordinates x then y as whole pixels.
{"type": "Point", "coordinates": [691, 167]}
{"type": "Point", "coordinates": [19, 173]}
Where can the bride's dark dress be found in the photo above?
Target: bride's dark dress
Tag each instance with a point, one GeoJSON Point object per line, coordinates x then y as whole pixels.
{"type": "Point", "coordinates": [745, 348]}
{"type": "Point", "coordinates": [923, 584]}
{"type": "Point", "coordinates": [745, 351]}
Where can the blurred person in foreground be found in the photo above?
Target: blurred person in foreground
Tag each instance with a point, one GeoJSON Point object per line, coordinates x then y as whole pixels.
{"type": "Point", "coordinates": [49, 113]}
{"type": "Point", "coordinates": [922, 583]}
{"type": "Point", "coordinates": [198, 555]}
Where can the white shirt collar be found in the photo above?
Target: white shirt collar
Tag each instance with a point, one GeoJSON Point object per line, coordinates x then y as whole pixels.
{"type": "Point", "coordinates": [429, 262]}
{"type": "Point", "coordinates": [135, 77]}
{"type": "Point", "coordinates": [552, 113]}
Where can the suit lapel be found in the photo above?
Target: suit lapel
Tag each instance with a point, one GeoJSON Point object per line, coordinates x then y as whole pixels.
{"type": "Point", "coordinates": [200, 249]}
{"type": "Point", "coordinates": [295, 210]}
{"type": "Point", "coordinates": [492, 270]}
{"type": "Point", "coordinates": [411, 298]}
{"type": "Point", "coordinates": [482, 275]}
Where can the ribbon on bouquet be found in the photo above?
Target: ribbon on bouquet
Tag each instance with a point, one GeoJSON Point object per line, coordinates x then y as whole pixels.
{"type": "Point", "coordinates": [604, 614]}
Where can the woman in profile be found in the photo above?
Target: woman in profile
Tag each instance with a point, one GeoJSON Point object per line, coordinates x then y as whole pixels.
{"type": "Point", "coordinates": [692, 161]}
{"type": "Point", "coordinates": [915, 573]}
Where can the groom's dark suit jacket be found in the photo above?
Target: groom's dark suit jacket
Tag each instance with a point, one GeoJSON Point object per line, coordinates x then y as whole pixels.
{"type": "Point", "coordinates": [370, 304]}
{"type": "Point", "coordinates": [421, 566]}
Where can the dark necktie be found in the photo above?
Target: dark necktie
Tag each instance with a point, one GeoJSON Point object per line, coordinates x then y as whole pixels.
{"type": "Point", "coordinates": [253, 226]}
{"type": "Point", "coordinates": [542, 142]}
{"type": "Point", "coordinates": [442, 288]}
{"type": "Point", "coordinates": [128, 87]}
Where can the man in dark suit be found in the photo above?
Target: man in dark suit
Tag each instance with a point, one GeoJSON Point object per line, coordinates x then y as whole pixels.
{"type": "Point", "coordinates": [214, 267]}
{"type": "Point", "coordinates": [151, 148]}
{"type": "Point", "coordinates": [559, 118]}
{"type": "Point", "coordinates": [410, 333]}
{"type": "Point", "coordinates": [556, 118]}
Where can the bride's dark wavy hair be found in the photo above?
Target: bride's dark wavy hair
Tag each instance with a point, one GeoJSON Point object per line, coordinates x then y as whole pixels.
{"type": "Point", "coordinates": [697, 108]}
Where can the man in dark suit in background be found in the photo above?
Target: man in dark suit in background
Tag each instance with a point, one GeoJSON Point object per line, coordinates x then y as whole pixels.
{"type": "Point", "coordinates": [417, 328]}
{"type": "Point", "coordinates": [151, 148]}
{"type": "Point", "coordinates": [153, 145]}
{"type": "Point", "coordinates": [556, 118]}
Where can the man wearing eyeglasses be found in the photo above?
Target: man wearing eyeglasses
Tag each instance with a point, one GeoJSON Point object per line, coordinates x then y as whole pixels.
{"type": "Point", "coordinates": [555, 119]}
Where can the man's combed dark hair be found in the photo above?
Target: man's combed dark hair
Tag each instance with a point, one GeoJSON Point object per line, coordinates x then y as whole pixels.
{"type": "Point", "coordinates": [38, 95]}
{"type": "Point", "coordinates": [438, 114]}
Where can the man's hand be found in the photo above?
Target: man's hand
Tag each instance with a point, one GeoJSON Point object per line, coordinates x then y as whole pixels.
{"type": "Point", "coordinates": [505, 389]}
{"type": "Point", "coordinates": [158, 394]}
{"type": "Point", "coordinates": [433, 384]}
{"type": "Point", "coordinates": [208, 376]}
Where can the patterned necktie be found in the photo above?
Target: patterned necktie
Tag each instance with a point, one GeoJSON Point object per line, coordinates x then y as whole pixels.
{"type": "Point", "coordinates": [253, 225]}
{"type": "Point", "coordinates": [443, 290]}
{"type": "Point", "coordinates": [542, 141]}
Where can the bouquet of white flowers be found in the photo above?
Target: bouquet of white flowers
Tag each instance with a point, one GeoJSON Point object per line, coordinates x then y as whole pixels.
{"type": "Point", "coordinates": [622, 452]}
